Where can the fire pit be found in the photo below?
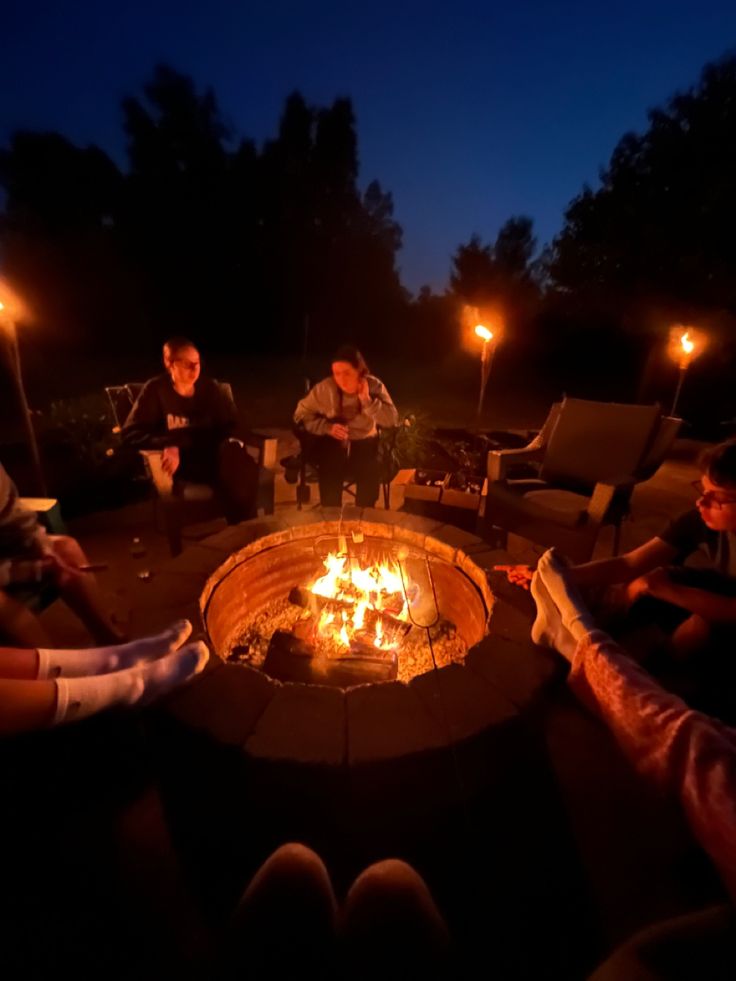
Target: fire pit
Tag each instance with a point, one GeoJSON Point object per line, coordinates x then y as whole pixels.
{"type": "Point", "coordinates": [345, 603]}
{"type": "Point", "coordinates": [331, 713]}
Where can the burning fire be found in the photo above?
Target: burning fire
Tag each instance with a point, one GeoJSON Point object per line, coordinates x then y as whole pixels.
{"type": "Point", "coordinates": [686, 344]}
{"type": "Point", "coordinates": [483, 332]}
{"type": "Point", "coordinates": [363, 605]}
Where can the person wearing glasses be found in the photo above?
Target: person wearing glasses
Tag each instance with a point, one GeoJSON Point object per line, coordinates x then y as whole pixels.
{"type": "Point", "coordinates": [189, 417]}
{"type": "Point", "coordinates": [683, 581]}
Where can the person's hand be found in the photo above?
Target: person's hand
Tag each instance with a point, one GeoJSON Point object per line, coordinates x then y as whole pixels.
{"type": "Point", "coordinates": [338, 431]}
{"type": "Point", "coordinates": [635, 589]}
{"type": "Point", "coordinates": [517, 575]}
{"type": "Point", "coordinates": [170, 460]}
{"type": "Point", "coordinates": [60, 569]}
{"type": "Point", "coordinates": [364, 395]}
{"type": "Point", "coordinates": [652, 584]}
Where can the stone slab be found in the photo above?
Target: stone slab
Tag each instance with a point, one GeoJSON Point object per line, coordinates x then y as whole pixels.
{"type": "Point", "coordinates": [225, 702]}
{"type": "Point", "coordinates": [234, 537]}
{"type": "Point", "coordinates": [462, 702]}
{"type": "Point", "coordinates": [302, 724]}
{"type": "Point", "coordinates": [519, 669]}
{"type": "Point", "coordinates": [388, 721]}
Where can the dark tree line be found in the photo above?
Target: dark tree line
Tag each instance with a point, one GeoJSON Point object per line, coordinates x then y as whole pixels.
{"type": "Point", "coordinates": [266, 248]}
{"type": "Point", "coordinates": [252, 249]}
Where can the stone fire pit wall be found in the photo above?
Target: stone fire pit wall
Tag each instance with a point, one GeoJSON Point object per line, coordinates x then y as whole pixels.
{"type": "Point", "coordinates": [358, 773]}
{"type": "Point", "coordinates": [266, 569]}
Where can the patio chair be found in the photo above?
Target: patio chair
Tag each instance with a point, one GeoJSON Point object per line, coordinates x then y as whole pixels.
{"type": "Point", "coordinates": [308, 473]}
{"type": "Point", "coordinates": [193, 503]}
{"type": "Point", "coordinates": [590, 455]}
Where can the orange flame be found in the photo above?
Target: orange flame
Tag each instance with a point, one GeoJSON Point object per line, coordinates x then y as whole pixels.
{"type": "Point", "coordinates": [378, 587]}
{"type": "Point", "coordinates": [482, 331]}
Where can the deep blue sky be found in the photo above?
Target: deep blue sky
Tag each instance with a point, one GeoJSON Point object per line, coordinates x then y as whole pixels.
{"type": "Point", "coordinates": [467, 112]}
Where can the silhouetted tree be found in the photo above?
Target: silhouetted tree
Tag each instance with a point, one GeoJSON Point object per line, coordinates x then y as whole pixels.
{"type": "Point", "coordinates": [178, 223]}
{"type": "Point", "coordinates": [659, 229]}
{"type": "Point", "coordinates": [58, 233]}
{"type": "Point", "coordinates": [496, 273]}
{"type": "Point", "coordinates": [332, 249]}
{"type": "Point", "coordinates": [203, 233]}
{"type": "Point", "coordinates": [473, 275]}
{"type": "Point", "coordinates": [514, 248]}
{"type": "Point", "coordinates": [502, 275]}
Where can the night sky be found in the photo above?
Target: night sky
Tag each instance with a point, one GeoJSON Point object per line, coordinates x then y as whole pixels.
{"type": "Point", "coordinates": [467, 112]}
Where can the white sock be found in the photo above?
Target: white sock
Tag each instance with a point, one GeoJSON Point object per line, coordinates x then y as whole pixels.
{"type": "Point", "coordinates": [548, 628]}
{"type": "Point", "coordinates": [105, 660]}
{"type": "Point", "coordinates": [77, 698]}
{"type": "Point", "coordinates": [566, 596]}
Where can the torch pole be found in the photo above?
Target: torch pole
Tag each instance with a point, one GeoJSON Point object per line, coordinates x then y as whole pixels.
{"type": "Point", "coordinates": [483, 354]}
{"type": "Point", "coordinates": [40, 480]}
{"type": "Point", "coordinates": [680, 380]}
{"type": "Point", "coordinates": [486, 361]}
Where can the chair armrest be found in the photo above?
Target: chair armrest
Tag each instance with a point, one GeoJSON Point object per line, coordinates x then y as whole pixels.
{"type": "Point", "coordinates": [162, 481]}
{"type": "Point", "coordinates": [604, 493]}
{"type": "Point", "coordinates": [500, 460]}
{"type": "Point", "coordinates": [267, 447]}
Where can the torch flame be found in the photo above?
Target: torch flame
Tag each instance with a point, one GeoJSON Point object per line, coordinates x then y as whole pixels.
{"type": "Point", "coordinates": [483, 332]}
{"type": "Point", "coordinates": [686, 343]}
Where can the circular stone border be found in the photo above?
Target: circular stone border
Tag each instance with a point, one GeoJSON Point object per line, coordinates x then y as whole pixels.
{"type": "Point", "coordinates": [238, 706]}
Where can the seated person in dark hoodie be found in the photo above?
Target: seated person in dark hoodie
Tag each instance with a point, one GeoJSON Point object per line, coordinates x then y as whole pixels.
{"type": "Point", "coordinates": [191, 419]}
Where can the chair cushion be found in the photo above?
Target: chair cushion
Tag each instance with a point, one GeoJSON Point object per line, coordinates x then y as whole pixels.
{"type": "Point", "coordinates": [569, 508]}
{"type": "Point", "coordinates": [507, 508]}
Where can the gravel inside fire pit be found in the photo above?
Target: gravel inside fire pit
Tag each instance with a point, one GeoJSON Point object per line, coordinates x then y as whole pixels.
{"type": "Point", "coordinates": [251, 643]}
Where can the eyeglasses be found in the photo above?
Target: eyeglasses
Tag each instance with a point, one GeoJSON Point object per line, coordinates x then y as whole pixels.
{"type": "Point", "coordinates": [710, 498]}
{"type": "Point", "coordinates": [187, 364]}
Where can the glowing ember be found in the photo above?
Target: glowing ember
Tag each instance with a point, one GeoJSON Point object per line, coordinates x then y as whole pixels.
{"type": "Point", "coordinates": [483, 332]}
{"type": "Point", "coordinates": [361, 592]}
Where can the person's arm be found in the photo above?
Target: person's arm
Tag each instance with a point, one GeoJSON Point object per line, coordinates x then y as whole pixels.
{"type": "Point", "coordinates": [624, 568]}
{"type": "Point", "coordinates": [311, 412]}
{"type": "Point", "coordinates": [145, 427]}
{"type": "Point", "coordinates": [682, 750]}
{"type": "Point", "coordinates": [20, 529]}
{"type": "Point", "coordinates": [708, 605]}
{"type": "Point", "coordinates": [376, 403]}
{"type": "Point", "coordinates": [604, 572]}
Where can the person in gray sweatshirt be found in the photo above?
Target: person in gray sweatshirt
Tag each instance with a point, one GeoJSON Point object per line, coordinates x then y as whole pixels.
{"type": "Point", "coordinates": [340, 417]}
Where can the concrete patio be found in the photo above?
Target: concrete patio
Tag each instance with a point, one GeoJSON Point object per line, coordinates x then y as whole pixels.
{"type": "Point", "coordinates": [521, 834]}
